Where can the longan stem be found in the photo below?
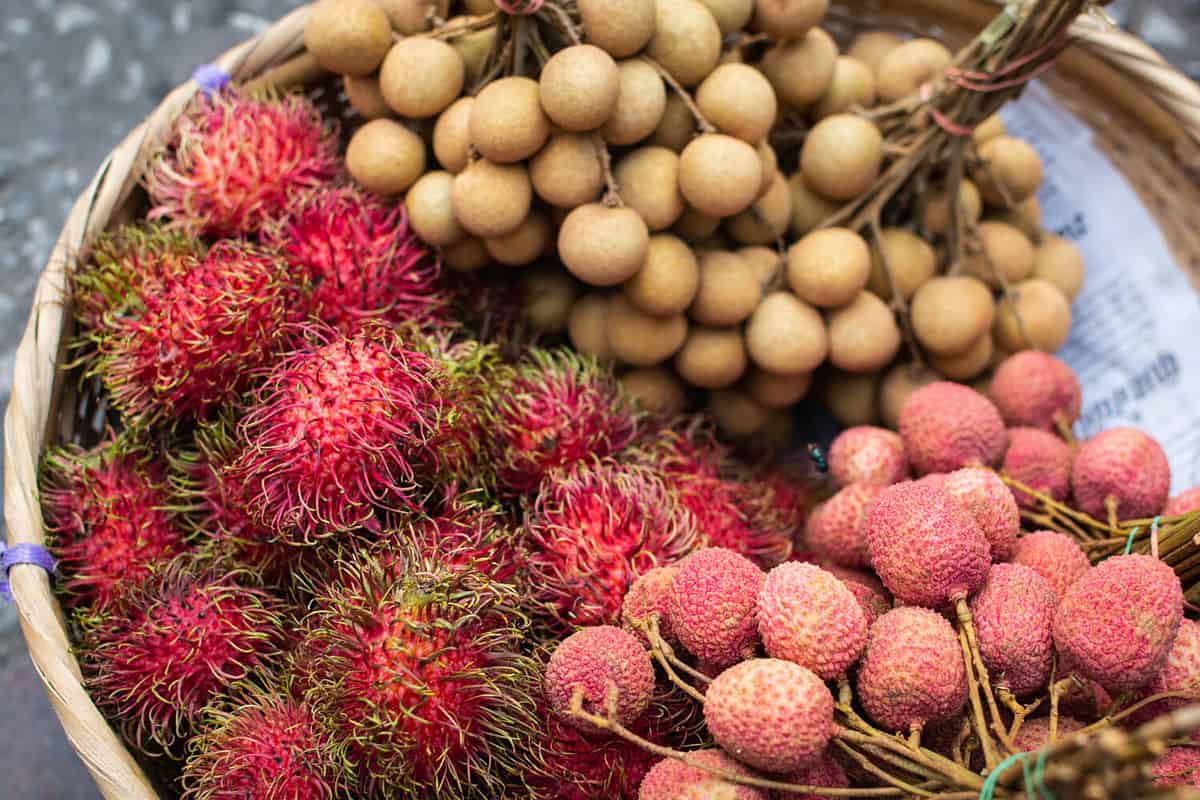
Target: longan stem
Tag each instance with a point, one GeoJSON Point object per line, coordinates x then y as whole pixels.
{"type": "Point", "coordinates": [566, 24]}
{"type": "Point", "coordinates": [898, 304]}
{"type": "Point", "coordinates": [701, 121]}
{"type": "Point", "coordinates": [972, 237]}
{"type": "Point", "coordinates": [612, 195]}
{"type": "Point", "coordinates": [453, 30]}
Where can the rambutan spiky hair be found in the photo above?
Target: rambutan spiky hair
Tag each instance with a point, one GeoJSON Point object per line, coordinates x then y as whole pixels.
{"type": "Point", "coordinates": [163, 649]}
{"type": "Point", "coordinates": [233, 162]}
{"type": "Point", "coordinates": [416, 667]}
{"type": "Point", "coordinates": [107, 512]}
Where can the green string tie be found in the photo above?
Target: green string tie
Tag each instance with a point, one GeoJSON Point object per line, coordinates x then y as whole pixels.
{"type": "Point", "coordinates": [1129, 541]}
{"type": "Point", "coordinates": [1034, 779]}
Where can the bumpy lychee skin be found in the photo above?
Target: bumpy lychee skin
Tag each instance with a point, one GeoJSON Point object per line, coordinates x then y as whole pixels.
{"type": "Point", "coordinates": [1034, 734]}
{"type": "Point", "coordinates": [592, 531]}
{"type": "Point", "coordinates": [233, 162]}
{"type": "Point", "coordinates": [646, 596]}
{"type": "Point", "coordinates": [946, 426]}
{"type": "Point", "coordinates": [263, 745]}
{"type": "Point", "coordinates": [179, 347]}
{"type": "Point", "coordinates": [824, 772]}
{"type": "Point", "coordinates": [1041, 461]}
{"type": "Point", "coordinates": [163, 649]}
{"type": "Point", "coordinates": [771, 714]}
{"type": "Point", "coordinates": [1183, 503]}
{"type": "Point", "coordinates": [1055, 556]}
{"type": "Point", "coordinates": [1036, 390]}
{"type": "Point", "coordinates": [1125, 466]}
{"type": "Point", "coordinates": [339, 428]}
{"type": "Point", "coordinates": [1179, 766]}
{"type": "Point", "coordinates": [553, 410]}
{"type": "Point", "coordinates": [602, 664]}
{"type": "Point", "coordinates": [866, 454]}
{"type": "Point", "coordinates": [912, 672]}
{"type": "Point", "coordinates": [1014, 618]}
{"type": "Point", "coordinates": [106, 512]}
{"type": "Point", "coordinates": [809, 617]}
{"type": "Point", "coordinates": [713, 605]}
{"type": "Point", "coordinates": [873, 604]}
{"type": "Point", "coordinates": [1181, 673]}
{"type": "Point", "coordinates": [1117, 623]}
{"type": "Point", "coordinates": [671, 779]}
{"type": "Point", "coordinates": [837, 528]}
{"type": "Point", "coordinates": [360, 258]}
{"type": "Point", "coordinates": [992, 505]}
{"type": "Point", "coordinates": [925, 547]}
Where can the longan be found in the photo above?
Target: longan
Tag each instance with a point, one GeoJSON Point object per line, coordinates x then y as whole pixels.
{"type": "Point", "coordinates": [524, 245]}
{"type": "Point", "coordinates": [547, 296]}
{"type": "Point", "coordinates": [863, 336]}
{"type": "Point", "coordinates": [469, 255]}
{"type": "Point", "coordinates": [430, 207]}
{"type": "Point", "coordinates": [668, 280]}
{"type": "Point", "coordinates": [731, 15]}
{"type": "Point", "coordinates": [1004, 250]}
{"type": "Point", "coordinates": [765, 262]}
{"type": "Point", "coordinates": [739, 100]}
{"type": "Point", "coordinates": [587, 326]}
{"type": "Point", "coordinates": [677, 126]}
{"type": "Point", "coordinates": [603, 246]}
{"type": "Point", "coordinates": [871, 46]}
{"type": "Point", "coordinates": [507, 121]}
{"type": "Point", "coordinates": [385, 157]}
{"type": "Point", "coordinates": [696, 227]}
{"type": "Point", "coordinates": [1059, 262]}
{"type": "Point", "coordinates": [936, 216]}
{"type": "Point", "coordinates": [409, 16]}
{"type": "Point", "coordinates": [767, 220]}
{"type": "Point", "coordinates": [1010, 173]}
{"type": "Point", "coordinates": [786, 336]}
{"type": "Point", "coordinates": [649, 181]}
{"type": "Point", "coordinates": [900, 382]}
{"type": "Point", "coordinates": [621, 27]}
{"type": "Point", "coordinates": [641, 104]}
{"type": "Point", "coordinates": [809, 209]}
{"type": "Point", "coordinates": [1027, 216]}
{"type": "Point", "coordinates": [950, 313]}
{"type": "Point", "coordinates": [989, 129]}
{"type": "Point", "coordinates": [686, 40]}
{"type": "Point", "coordinates": [841, 156]}
{"type": "Point", "coordinates": [452, 135]}
{"type": "Point", "coordinates": [473, 49]}
{"type": "Point", "coordinates": [366, 97]}
{"type": "Point", "coordinates": [851, 397]}
{"type": "Point", "coordinates": [642, 340]}
{"type": "Point", "coordinates": [348, 37]}
{"type": "Point", "coordinates": [567, 172]}
{"type": "Point", "coordinates": [829, 267]}
{"type": "Point", "coordinates": [788, 19]}
{"type": "Point", "coordinates": [737, 413]}
{"type": "Point", "coordinates": [728, 291]}
{"type": "Point", "coordinates": [970, 364]}
{"type": "Point", "coordinates": [492, 199]}
{"type": "Point", "coordinates": [1042, 314]}
{"type": "Point", "coordinates": [441, 70]}
{"type": "Point", "coordinates": [910, 259]}
{"type": "Point", "coordinates": [853, 84]}
{"type": "Point", "coordinates": [801, 70]}
{"type": "Point", "coordinates": [777, 391]}
{"type": "Point", "coordinates": [719, 175]}
{"type": "Point", "coordinates": [770, 165]}
{"type": "Point", "coordinates": [656, 389]}
{"type": "Point", "coordinates": [712, 358]}
{"type": "Point", "coordinates": [579, 87]}
{"type": "Point", "coordinates": [479, 7]}
{"type": "Point", "coordinates": [902, 71]}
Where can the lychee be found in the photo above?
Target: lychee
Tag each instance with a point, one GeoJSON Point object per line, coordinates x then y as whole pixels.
{"type": "Point", "coordinates": [991, 504]}
{"type": "Point", "coordinates": [1036, 390]}
{"type": "Point", "coordinates": [671, 779]}
{"type": "Point", "coordinates": [1179, 766]}
{"type": "Point", "coordinates": [592, 530]}
{"type": "Point", "coordinates": [837, 528]}
{"type": "Point", "coordinates": [712, 605]}
{"type": "Point", "coordinates": [912, 672]}
{"type": "Point", "coordinates": [771, 714]}
{"type": "Point", "coordinates": [1181, 673]}
{"type": "Point", "coordinates": [809, 617]}
{"type": "Point", "coordinates": [871, 595]}
{"type": "Point", "coordinates": [1014, 617]}
{"type": "Point", "coordinates": [646, 596]}
{"type": "Point", "coordinates": [925, 547]}
{"type": "Point", "coordinates": [1116, 624]}
{"type": "Point", "coordinates": [1183, 503]}
{"type": "Point", "coordinates": [1122, 467]}
{"type": "Point", "coordinates": [825, 772]}
{"type": "Point", "coordinates": [1034, 734]}
{"type": "Point", "coordinates": [1041, 461]}
{"type": "Point", "coordinates": [866, 454]}
{"type": "Point", "coordinates": [233, 162]}
{"type": "Point", "coordinates": [610, 671]}
{"type": "Point", "coordinates": [946, 426]}
{"type": "Point", "coordinates": [1055, 556]}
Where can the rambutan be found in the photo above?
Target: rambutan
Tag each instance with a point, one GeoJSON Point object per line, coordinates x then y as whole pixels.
{"type": "Point", "coordinates": [107, 515]}
{"type": "Point", "coordinates": [339, 429]}
{"type": "Point", "coordinates": [603, 665]}
{"type": "Point", "coordinates": [594, 529]}
{"type": "Point", "coordinates": [946, 426]}
{"type": "Point", "coordinates": [1055, 556]}
{"type": "Point", "coordinates": [1013, 616]}
{"type": "Point", "coordinates": [811, 618]}
{"type": "Point", "coordinates": [672, 779]}
{"type": "Point", "coordinates": [1183, 503]}
{"type": "Point", "coordinates": [1036, 390]}
{"type": "Point", "coordinates": [1122, 468]}
{"type": "Point", "coordinates": [837, 528]}
{"type": "Point", "coordinates": [866, 454]}
{"type": "Point", "coordinates": [713, 606]}
{"type": "Point", "coordinates": [183, 345]}
{"type": "Point", "coordinates": [360, 260]}
{"type": "Point", "coordinates": [555, 409]}
{"type": "Point", "coordinates": [164, 648]}
{"type": "Point", "coordinates": [415, 667]}
{"type": "Point", "coordinates": [648, 595]}
{"type": "Point", "coordinates": [988, 500]}
{"type": "Point", "coordinates": [261, 744]}
{"type": "Point", "coordinates": [233, 162]}
{"type": "Point", "coordinates": [793, 488]}
{"type": "Point", "coordinates": [122, 263]}
{"type": "Point", "coordinates": [1041, 461]}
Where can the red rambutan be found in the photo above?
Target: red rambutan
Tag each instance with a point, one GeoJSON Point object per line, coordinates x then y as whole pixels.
{"type": "Point", "coordinates": [233, 162]}
{"type": "Point", "coordinates": [107, 512]}
{"type": "Point", "coordinates": [594, 529]}
{"type": "Point", "coordinates": [122, 263]}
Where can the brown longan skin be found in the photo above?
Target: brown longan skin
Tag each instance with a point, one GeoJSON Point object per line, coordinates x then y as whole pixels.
{"type": "Point", "coordinates": [728, 290]}
{"type": "Point", "coordinates": [473, 49]}
{"type": "Point", "coordinates": [366, 97]}
{"type": "Point", "coordinates": [770, 165]}
{"type": "Point", "coordinates": [739, 100]}
{"type": "Point", "coordinates": [641, 103]}
{"type": "Point", "coordinates": [736, 413]}
{"type": "Point", "coordinates": [936, 215]}
{"type": "Point", "coordinates": [430, 207]}
{"type": "Point", "coordinates": [677, 126]}
{"type": "Point", "coordinates": [1011, 171]}
{"type": "Point", "coordinates": [526, 244]}
{"type": "Point", "coordinates": [970, 364]}
{"type": "Point", "coordinates": [385, 157]}
{"type": "Point", "coordinates": [712, 358]}
{"type": "Point", "coordinates": [829, 267]}
{"type": "Point", "coordinates": [894, 390]}
{"type": "Point", "coordinates": [1059, 262]}
{"type": "Point", "coordinates": [841, 156]}
{"type": "Point", "coordinates": [765, 262]}
{"type": "Point", "coordinates": [767, 220]}
{"type": "Point", "coordinates": [603, 246]}
{"type": "Point", "coordinates": [507, 121]}
{"type": "Point", "coordinates": [851, 397]}
{"type": "Point", "coordinates": [686, 40]}
{"type": "Point", "coordinates": [409, 16]}
{"type": "Point", "coordinates": [469, 255]}
{"type": "Point", "coordinates": [579, 87]}
{"type": "Point", "coordinates": [649, 184]}
{"type": "Point", "coordinates": [786, 336]}
{"type": "Point", "coordinates": [863, 336]}
{"type": "Point", "coordinates": [809, 209]}
{"type": "Point", "coordinates": [909, 257]}
{"type": "Point", "coordinates": [950, 313]}
{"type": "Point", "coordinates": [442, 73]}
{"type": "Point", "coordinates": [731, 15]}
{"type": "Point", "coordinates": [668, 280]}
{"type": "Point", "coordinates": [1027, 216]}
{"type": "Point", "coordinates": [801, 70]}
{"type": "Point", "coordinates": [452, 135]}
{"type": "Point", "coordinates": [1045, 316]}
{"type": "Point", "coordinates": [991, 128]}
{"type": "Point", "coordinates": [657, 390]}
{"type": "Point", "coordinates": [621, 27]}
{"type": "Point", "coordinates": [719, 175]}
{"type": "Point", "coordinates": [642, 340]}
{"type": "Point", "coordinates": [870, 47]}
{"type": "Point", "coordinates": [587, 326]}
{"type": "Point", "coordinates": [492, 199]}
{"type": "Point", "coordinates": [1005, 250]}
{"type": "Point", "coordinates": [567, 172]}
{"type": "Point", "coordinates": [695, 227]}
{"type": "Point", "coordinates": [777, 391]}
{"type": "Point", "coordinates": [902, 71]}
{"type": "Point", "coordinates": [853, 84]}
{"type": "Point", "coordinates": [348, 37]}
{"type": "Point", "coordinates": [788, 19]}
{"type": "Point", "coordinates": [547, 295]}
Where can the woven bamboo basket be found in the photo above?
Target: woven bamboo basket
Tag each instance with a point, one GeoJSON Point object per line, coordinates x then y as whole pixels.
{"type": "Point", "coordinates": [1145, 114]}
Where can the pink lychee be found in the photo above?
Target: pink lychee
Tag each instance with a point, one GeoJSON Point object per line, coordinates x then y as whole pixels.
{"type": "Point", "coordinates": [608, 668]}
{"type": "Point", "coordinates": [1014, 618]}
{"type": "Point", "coordinates": [836, 529]}
{"type": "Point", "coordinates": [991, 504]}
{"type": "Point", "coordinates": [946, 426]}
{"type": "Point", "coordinates": [1034, 734]}
{"type": "Point", "coordinates": [1183, 503]}
{"type": "Point", "coordinates": [712, 605]}
{"type": "Point", "coordinates": [1036, 390]}
{"type": "Point", "coordinates": [1057, 557]}
{"type": "Point", "coordinates": [671, 779]}
{"type": "Point", "coordinates": [809, 617]}
{"type": "Point", "coordinates": [1179, 766]}
{"type": "Point", "coordinates": [1121, 466]}
{"type": "Point", "coordinates": [649, 595]}
{"type": "Point", "coordinates": [866, 454]}
{"type": "Point", "coordinates": [1041, 461]}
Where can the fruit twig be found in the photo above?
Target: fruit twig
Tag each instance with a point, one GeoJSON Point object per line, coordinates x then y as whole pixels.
{"type": "Point", "coordinates": [665, 656]}
{"type": "Point", "coordinates": [981, 722]}
{"type": "Point", "coordinates": [654, 633]}
{"type": "Point", "coordinates": [898, 303]}
{"type": "Point", "coordinates": [565, 23]}
{"type": "Point", "coordinates": [612, 195]}
{"type": "Point", "coordinates": [972, 236]}
{"type": "Point", "coordinates": [866, 764]}
{"type": "Point", "coordinates": [701, 121]}
{"type": "Point", "coordinates": [454, 29]}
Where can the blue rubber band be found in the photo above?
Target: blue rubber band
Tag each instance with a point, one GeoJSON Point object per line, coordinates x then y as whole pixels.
{"type": "Point", "coordinates": [1039, 776]}
{"type": "Point", "coordinates": [23, 554]}
{"type": "Point", "coordinates": [211, 78]}
{"type": "Point", "coordinates": [1129, 541]}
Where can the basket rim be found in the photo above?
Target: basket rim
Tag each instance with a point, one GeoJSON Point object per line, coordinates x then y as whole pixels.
{"type": "Point", "coordinates": [31, 418]}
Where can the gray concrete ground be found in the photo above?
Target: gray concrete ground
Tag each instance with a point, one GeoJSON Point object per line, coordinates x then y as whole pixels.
{"type": "Point", "coordinates": [77, 75]}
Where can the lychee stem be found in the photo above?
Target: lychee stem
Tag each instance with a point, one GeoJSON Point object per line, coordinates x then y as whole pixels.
{"type": "Point", "coordinates": [653, 631]}
{"type": "Point", "coordinates": [866, 764]}
{"type": "Point", "coordinates": [914, 735]}
{"type": "Point", "coordinates": [1056, 691]}
{"type": "Point", "coordinates": [1112, 718]}
{"type": "Point", "coordinates": [1064, 429]}
{"type": "Point", "coordinates": [966, 633]}
{"type": "Point", "coordinates": [701, 121]}
{"type": "Point", "coordinates": [1052, 505]}
{"type": "Point", "coordinates": [959, 740]}
{"type": "Point", "coordinates": [1110, 505]}
{"type": "Point", "coordinates": [1019, 712]}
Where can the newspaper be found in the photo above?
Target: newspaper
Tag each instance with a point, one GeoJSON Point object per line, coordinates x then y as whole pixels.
{"type": "Point", "coordinates": [1136, 323]}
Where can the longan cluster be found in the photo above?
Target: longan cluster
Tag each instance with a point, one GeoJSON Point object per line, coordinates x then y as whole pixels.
{"type": "Point", "coordinates": [665, 172]}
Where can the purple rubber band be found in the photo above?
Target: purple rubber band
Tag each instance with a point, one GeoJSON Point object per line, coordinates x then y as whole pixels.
{"type": "Point", "coordinates": [211, 78]}
{"type": "Point", "coordinates": [23, 554]}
